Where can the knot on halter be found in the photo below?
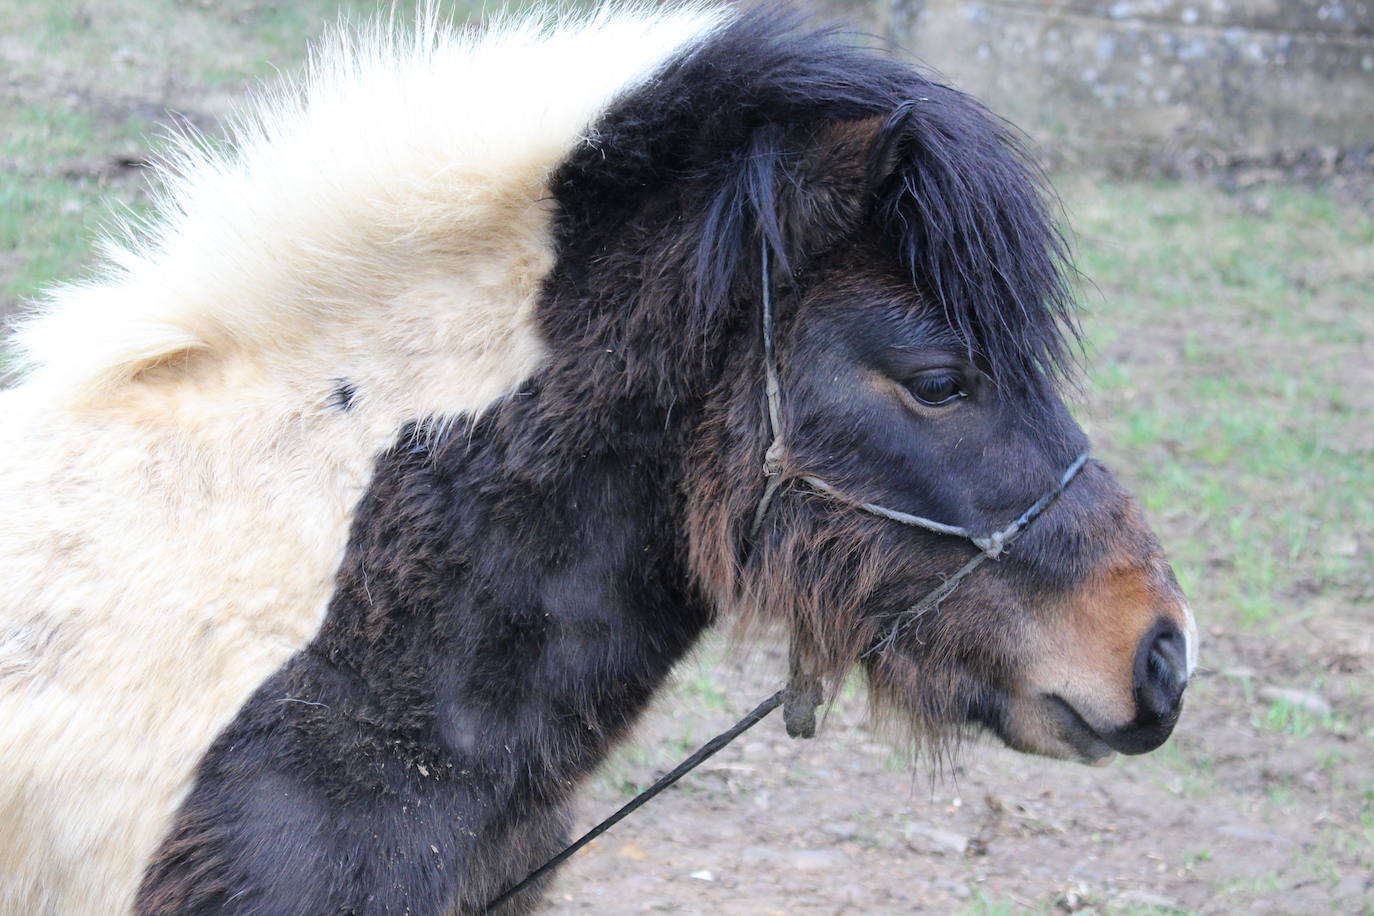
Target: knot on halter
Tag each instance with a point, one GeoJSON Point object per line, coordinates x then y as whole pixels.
{"type": "Point", "coordinates": [772, 459]}
{"type": "Point", "coordinates": [992, 544]}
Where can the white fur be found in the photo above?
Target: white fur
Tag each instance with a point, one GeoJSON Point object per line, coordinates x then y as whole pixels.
{"type": "Point", "coordinates": [1190, 639]}
{"type": "Point", "coordinates": [176, 489]}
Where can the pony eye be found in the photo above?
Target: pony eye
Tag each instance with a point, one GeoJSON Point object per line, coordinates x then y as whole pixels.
{"type": "Point", "coordinates": [937, 389]}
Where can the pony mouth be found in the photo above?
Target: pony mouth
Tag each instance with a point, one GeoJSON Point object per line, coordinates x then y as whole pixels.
{"type": "Point", "coordinates": [1089, 746]}
{"type": "Point", "coordinates": [1044, 725]}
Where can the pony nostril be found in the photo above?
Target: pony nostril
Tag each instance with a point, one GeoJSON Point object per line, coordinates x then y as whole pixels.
{"type": "Point", "coordinates": [1161, 672]}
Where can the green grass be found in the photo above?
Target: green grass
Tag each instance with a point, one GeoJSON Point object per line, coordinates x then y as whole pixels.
{"type": "Point", "coordinates": [155, 44]}
{"type": "Point", "coordinates": [1180, 767]}
{"type": "Point", "coordinates": [1193, 859]}
{"type": "Point", "coordinates": [1286, 717]}
{"type": "Point", "coordinates": [699, 681]}
{"type": "Point", "coordinates": [94, 83]}
{"type": "Point", "coordinates": [984, 905]}
{"type": "Point", "coordinates": [1221, 340]}
{"type": "Point", "coordinates": [55, 192]}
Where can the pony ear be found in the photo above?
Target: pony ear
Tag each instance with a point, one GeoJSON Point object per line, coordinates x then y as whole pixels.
{"type": "Point", "coordinates": [90, 347]}
{"type": "Point", "coordinates": [832, 189]}
{"type": "Point", "coordinates": [890, 144]}
{"type": "Point", "coordinates": [861, 148]}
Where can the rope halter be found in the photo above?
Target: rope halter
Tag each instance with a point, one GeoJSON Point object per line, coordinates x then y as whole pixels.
{"type": "Point", "coordinates": [990, 546]}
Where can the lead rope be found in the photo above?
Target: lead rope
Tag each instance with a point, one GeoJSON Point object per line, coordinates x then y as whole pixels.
{"type": "Point", "coordinates": [804, 693]}
{"type": "Point", "coordinates": [702, 754]}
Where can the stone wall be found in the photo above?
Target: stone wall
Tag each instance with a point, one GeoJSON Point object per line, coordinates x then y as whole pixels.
{"type": "Point", "coordinates": [1146, 79]}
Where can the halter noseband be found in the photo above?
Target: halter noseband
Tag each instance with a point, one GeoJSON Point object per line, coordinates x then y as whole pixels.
{"type": "Point", "coordinates": [990, 546]}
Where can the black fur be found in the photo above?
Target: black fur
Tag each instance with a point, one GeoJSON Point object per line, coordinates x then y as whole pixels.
{"type": "Point", "coordinates": [516, 587]}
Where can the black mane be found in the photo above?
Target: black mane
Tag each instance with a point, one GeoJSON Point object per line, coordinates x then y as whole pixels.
{"type": "Point", "coordinates": [953, 188]}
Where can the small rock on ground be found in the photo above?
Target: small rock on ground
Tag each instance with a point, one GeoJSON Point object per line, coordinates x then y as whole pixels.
{"type": "Point", "coordinates": [816, 859]}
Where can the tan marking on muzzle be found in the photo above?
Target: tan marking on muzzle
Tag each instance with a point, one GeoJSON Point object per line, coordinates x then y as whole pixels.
{"type": "Point", "coordinates": [1086, 643]}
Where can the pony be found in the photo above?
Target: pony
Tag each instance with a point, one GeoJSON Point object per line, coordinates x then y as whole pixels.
{"type": "Point", "coordinates": [361, 500]}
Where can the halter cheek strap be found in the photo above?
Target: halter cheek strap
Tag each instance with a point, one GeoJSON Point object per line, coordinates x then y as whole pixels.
{"type": "Point", "coordinates": [804, 689]}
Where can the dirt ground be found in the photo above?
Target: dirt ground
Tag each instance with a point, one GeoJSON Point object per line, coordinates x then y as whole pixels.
{"type": "Point", "coordinates": [1231, 382]}
{"type": "Point", "coordinates": [843, 823]}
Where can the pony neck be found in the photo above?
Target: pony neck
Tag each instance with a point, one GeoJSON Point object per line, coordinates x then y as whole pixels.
{"type": "Point", "coordinates": [514, 590]}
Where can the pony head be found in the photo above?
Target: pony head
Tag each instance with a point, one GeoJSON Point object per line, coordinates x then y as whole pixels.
{"type": "Point", "coordinates": [925, 336]}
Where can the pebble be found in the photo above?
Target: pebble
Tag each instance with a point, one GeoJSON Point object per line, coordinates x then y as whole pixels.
{"type": "Point", "coordinates": [1143, 898]}
{"type": "Point", "coordinates": [757, 750]}
{"type": "Point", "coordinates": [1352, 886]}
{"type": "Point", "coordinates": [852, 894]}
{"type": "Point", "coordinates": [751, 855]}
{"type": "Point", "coordinates": [816, 859]}
{"type": "Point", "coordinates": [953, 888]}
{"type": "Point", "coordinates": [1242, 832]}
{"type": "Point", "coordinates": [1307, 700]}
{"type": "Point", "coordinates": [702, 875]}
{"type": "Point", "coordinates": [633, 851]}
{"type": "Point", "coordinates": [943, 840]}
{"type": "Point", "coordinates": [842, 829]}
{"type": "Point", "coordinates": [642, 883]}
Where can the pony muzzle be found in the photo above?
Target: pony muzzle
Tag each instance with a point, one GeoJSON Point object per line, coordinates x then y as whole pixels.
{"type": "Point", "coordinates": [1111, 681]}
